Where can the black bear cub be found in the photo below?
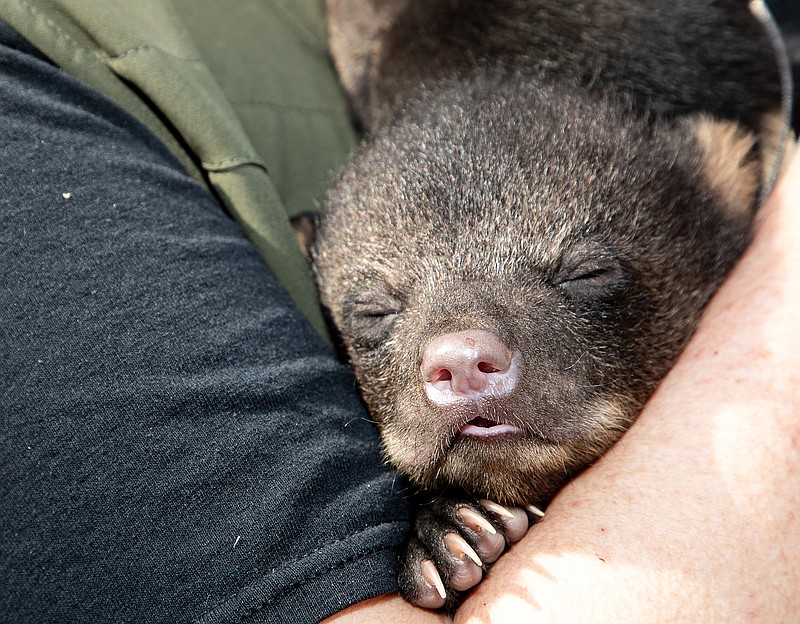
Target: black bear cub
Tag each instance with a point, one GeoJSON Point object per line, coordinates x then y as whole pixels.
{"type": "Point", "coordinates": [547, 196]}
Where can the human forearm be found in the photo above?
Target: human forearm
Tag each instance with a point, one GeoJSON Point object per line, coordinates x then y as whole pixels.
{"type": "Point", "coordinates": [691, 517]}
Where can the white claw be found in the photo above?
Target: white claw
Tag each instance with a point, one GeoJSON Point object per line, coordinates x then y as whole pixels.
{"type": "Point", "coordinates": [455, 544]}
{"type": "Point", "coordinates": [498, 509]}
{"type": "Point", "coordinates": [431, 574]}
{"type": "Point", "coordinates": [535, 510]}
{"type": "Point", "coordinates": [476, 521]}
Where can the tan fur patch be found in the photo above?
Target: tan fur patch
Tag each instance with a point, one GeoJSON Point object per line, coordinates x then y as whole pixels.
{"type": "Point", "coordinates": [726, 166]}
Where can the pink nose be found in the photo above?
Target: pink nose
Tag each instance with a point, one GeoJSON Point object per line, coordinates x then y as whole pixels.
{"type": "Point", "coordinates": [468, 364]}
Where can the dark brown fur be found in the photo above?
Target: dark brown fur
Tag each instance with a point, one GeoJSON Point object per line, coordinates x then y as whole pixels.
{"type": "Point", "coordinates": [514, 142]}
{"type": "Point", "coordinates": [670, 58]}
{"type": "Point", "coordinates": [430, 233]}
{"type": "Point", "coordinates": [574, 178]}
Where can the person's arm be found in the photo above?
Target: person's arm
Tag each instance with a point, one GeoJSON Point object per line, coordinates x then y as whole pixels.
{"type": "Point", "coordinates": [695, 515]}
{"type": "Point", "coordinates": [387, 608]}
{"type": "Point", "coordinates": [177, 444]}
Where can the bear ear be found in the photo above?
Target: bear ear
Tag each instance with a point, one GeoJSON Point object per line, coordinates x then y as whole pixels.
{"type": "Point", "coordinates": [356, 29]}
{"type": "Point", "coordinates": [730, 162]}
{"type": "Point", "coordinates": [777, 141]}
{"type": "Point", "coordinates": [305, 231]}
{"type": "Point", "coordinates": [351, 38]}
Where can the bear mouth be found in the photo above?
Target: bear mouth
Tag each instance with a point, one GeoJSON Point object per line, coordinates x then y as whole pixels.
{"type": "Point", "coordinates": [483, 428]}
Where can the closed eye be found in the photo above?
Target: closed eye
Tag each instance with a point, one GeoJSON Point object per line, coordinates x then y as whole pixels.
{"type": "Point", "coordinates": [591, 278]}
{"type": "Point", "coordinates": [591, 274]}
{"type": "Point", "coordinates": [371, 319]}
{"type": "Point", "coordinates": [604, 273]}
{"type": "Point", "coordinates": [374, 312]}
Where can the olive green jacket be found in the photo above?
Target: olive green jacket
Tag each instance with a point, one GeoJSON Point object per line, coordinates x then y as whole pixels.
{"type": "Point", "coordinates": [241, 91]}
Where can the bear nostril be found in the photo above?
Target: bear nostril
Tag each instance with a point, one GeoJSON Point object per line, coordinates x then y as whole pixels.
{"type": "Point", "coordinates": [441, 375]}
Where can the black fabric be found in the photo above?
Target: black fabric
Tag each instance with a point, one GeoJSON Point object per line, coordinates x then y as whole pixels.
{"type": "Point", "coordinates": [176, 443]}
{"type": "Point", "coordinates": [786, 12]}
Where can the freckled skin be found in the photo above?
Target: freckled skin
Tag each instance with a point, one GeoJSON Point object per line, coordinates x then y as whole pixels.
{"type": "Point", "coordinates": [570, 217]}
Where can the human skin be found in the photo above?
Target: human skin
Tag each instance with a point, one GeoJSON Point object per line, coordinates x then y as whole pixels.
{"type": "Point", "coordinates": [693, 515]}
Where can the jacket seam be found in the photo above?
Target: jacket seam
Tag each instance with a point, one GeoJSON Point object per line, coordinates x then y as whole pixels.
{"type": "Point", "coordinates": [146, 48]}
{"type": "Point", "coordinates": [57, 30]}
{"type": "Point", "coordinates": [221, 166]}
{"type": "Point", "coordinates": [292, 107]}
